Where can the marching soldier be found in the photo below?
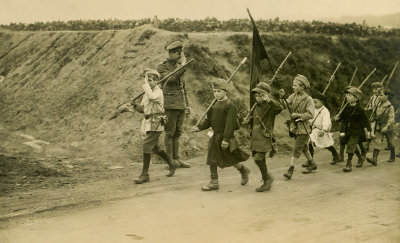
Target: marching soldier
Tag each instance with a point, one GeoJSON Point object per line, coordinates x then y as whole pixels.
{"type": "Point", "coordinates": [383, 122]}
{"type": "Point", "coordinates": [223, 150]}
{"type": "Point", "coordinates": [176, 101]}
{"type": "Point", "coordinates": [262, 122]}
{"type": "Point", "coordinates": [373, 101]}
{"type": "Point", "coordinates": [373, 104]}
{"type": "Point", "coordinates": [152, 106]}
{"type": "Point", "coordinates": [301, 107]}
{"type": "Point", "coordinates": [355, 126]}
{"type": "Point", "coordinates": [342, 143]}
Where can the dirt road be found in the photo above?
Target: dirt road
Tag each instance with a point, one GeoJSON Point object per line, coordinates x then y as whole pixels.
{"type": "Point", "coordinates": [326, 206]}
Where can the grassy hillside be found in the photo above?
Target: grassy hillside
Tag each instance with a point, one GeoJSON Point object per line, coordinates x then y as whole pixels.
{"type": "Point", "coordinates": [61, 87]}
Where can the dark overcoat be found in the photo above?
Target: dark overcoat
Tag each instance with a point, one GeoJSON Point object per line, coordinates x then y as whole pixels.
{"type": "Point", "coordinates": [354, 120]}
{"type": "Point", "coordinates": [222, 118]}
{"type": "Point", "coordinates": [262, 121]}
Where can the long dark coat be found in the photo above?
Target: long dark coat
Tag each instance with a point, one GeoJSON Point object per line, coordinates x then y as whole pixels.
{"type": "Point", "coordinates": [354, 120]}
{"type": "Point", "coordinates": [223, 120]}
{"type": "Point", "coordinates": [261, 138]}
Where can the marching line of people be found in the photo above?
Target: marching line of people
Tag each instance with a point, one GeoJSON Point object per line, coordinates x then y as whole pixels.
{"type": "Point", "coordinates": [165, 106]}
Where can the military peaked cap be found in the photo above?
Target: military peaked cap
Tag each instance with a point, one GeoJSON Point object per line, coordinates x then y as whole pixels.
{"type": "Point", "coordinates": [174, 45]}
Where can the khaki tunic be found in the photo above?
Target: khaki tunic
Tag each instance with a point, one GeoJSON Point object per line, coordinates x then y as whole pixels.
{"type": "Point", "coordinates": [175, 94]}
{"type": "Point", "coordinates": [304, 105]}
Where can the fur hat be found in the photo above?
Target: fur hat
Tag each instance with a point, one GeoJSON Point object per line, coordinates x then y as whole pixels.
{"type": "Point", "coordinates": [356, 92]}
{"type": "Point", "coordinates": [262, 88]}
{"type": "Point", "coordinates": [174, 45]}
{"type": "Point", "coordinates": [220, 84]}
{"type": "Point", "coordinates": [376, 85]}
{"type": "Point", "coordinates": [303, 80]}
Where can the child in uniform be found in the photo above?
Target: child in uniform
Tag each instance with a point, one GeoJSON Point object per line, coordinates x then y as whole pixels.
{"type": "Point", "coordinates": [223, 150]}
{"type": "Point", "coordinates": [355, 126]}
{"type": "Point", "coordinates": [152, 106]}
{"type": "Point", "coordinates": [262, 122]}
{"type": "Point", "coordinates": [383, 122]}
{"type": "Point", "coordinates": [301, 106]}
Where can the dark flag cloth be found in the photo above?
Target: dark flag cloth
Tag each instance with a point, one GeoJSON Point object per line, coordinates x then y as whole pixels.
{"type": "Point", "coordinates": [258, 53]}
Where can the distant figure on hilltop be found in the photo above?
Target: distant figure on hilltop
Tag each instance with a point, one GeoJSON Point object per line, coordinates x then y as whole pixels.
{"type": "Point", "coordinates": [156, 22]}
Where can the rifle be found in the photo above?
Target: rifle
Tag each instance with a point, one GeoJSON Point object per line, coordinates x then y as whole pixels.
{"type": "Point", "coordinates": [215, 100]}
{"type": "Point", "coordinates": [383, 80]}
{"type": "Point", "coordinates": [271, 81]}
{"type": "Point", "coordinates": [116, 113]}
{"type": "Point", "coordinates": [331, 78]}
{"type": "Point", "coordinates": [166, 78]}
{"type": "Point", "coordinates": [391, 74]}
{"type": "Point", "coordinates": [302, 122]}
{"type": "Point", "coordinates": [351, 82]}
{"type": "Point", "coordinates": [366, 79]}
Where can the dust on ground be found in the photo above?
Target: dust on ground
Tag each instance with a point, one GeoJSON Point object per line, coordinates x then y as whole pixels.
{"type": "Point", "coordinates": [104, 205]}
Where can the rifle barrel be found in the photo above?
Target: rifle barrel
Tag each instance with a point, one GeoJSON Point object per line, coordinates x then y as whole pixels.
{"type": "Point", "coordinates": [215, 100]}
{"type": "Point", "coordinates": [280, 67]}
{"type": "Point", "coordinates": [331, 78]}
{"type": "Point", "coordinates": [366, 79]}
{"type": "Point", "coordinates": [391, 74]}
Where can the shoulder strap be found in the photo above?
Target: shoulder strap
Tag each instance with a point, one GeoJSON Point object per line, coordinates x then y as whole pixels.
{"type": "Point", "coordinates": [312, 123]}
{"type": "Point", "coordinates": [298, 105]}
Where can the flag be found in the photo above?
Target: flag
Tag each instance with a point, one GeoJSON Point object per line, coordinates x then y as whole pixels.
{"type": "Point", "coordinates": [258, 53]}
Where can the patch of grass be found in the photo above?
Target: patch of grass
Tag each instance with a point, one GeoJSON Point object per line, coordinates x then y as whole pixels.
{"type": "Point", "coordinates": [145, 36]}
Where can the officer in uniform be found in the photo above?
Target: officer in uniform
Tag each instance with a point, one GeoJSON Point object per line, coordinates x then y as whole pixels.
{"type": "Point", "coordinates": [176, 101]}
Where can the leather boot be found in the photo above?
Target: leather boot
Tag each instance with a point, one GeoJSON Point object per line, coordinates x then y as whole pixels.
{"type": "Point", "coordinates": [311, 166]}
{"type": "Point", "coordinates": [213, 185]}
{"type": "Point", "coordinates": [168, 142]}
{"type": "Point", "coordinates": [171, 164]}
{"type": "Point", "coordinates": [348, 164]}
{"type": "Point", "coordinates": [244, 172]}
{"type": "Point", "coordinates": [175, 153]}
{"type": "Point", "coordinates": [305, 164]}
{"type": "Point", "coordinates": [289, 173]}
{"type": "Point", "coordinates": [335, 155]}
{"type": "Point", "coordinates": [142, 179]}
{"type": "Point", "coordinates": [374, 160]}
{"type": "Point", "coordinates": [392, 155]}
{"type": "Point", "coordinates": [360, 161]}
{"type": "Point", "coordinates": [348, 167]}
{"type": "Point", "coordinates": [266, 186]}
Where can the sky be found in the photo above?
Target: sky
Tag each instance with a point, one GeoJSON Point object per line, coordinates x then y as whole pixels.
{"type": "Point", "coordinates": [29, 11]}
